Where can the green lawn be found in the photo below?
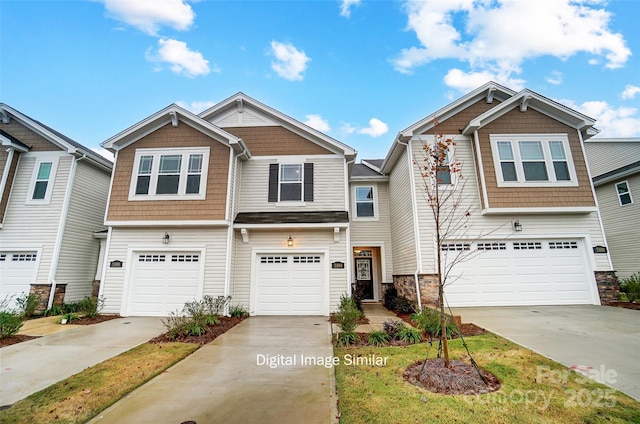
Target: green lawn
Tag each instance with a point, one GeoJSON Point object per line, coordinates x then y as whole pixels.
{"type": "Point", "coordinates": [534, 389]}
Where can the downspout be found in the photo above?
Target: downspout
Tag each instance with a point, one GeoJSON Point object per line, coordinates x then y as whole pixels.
{"type": "Point", "coordinates": [61, 225]}
{"type": "Point", "coordinates": [415, 223]}
{"type": "Point", "coordinates": [231, 183]}
{"type": "Point", "coordinates": [347, 232]}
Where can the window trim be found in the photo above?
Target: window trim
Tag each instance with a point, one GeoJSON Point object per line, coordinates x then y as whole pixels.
{"type": "Point", "coordinates": [545, 140]}
{"type": "Point", "coordinates": [301, 182]}
{"type": "Point", "coordinates": [50, 181]}
{"type": "Point", "coordinates": [354, 203]}
{"type": "Point", "coordinates": [620, 194]}
{"type": "Point", "coordinates": [185, 152]}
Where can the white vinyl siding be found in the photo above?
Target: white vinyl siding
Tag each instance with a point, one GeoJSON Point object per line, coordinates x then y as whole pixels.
{"type": "Point", "coordinates": [79, 252]}
{"type": "Point", "coordinates": [402, 224]}
{"type": "Point", "coordinates": [328, 174]}
{"type": "Point", "coordinates": [126, 240]}
{"type": "Point", "coordinates": [605, 156]}
{"type": "Point", "coordinates": [35, 225]}
{"type": "Point", "coordinates": [622, 226]}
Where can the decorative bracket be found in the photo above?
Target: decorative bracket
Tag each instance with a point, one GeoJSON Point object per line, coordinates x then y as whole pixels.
{"type": "Point", "coordinates": [336, 234]}
{"type": "Point", "coordinates": [174, 118]}
{"type": "Point", "coordinates": [240, 104]}
{"type": "Point", "coordinates": [245, 235]}
{"type": "Point", "coordinates": [525, 102]}
{"type": "Point", "coordinates": [490, 92]}
{"type": "Point", "coordinates": [5, 116]}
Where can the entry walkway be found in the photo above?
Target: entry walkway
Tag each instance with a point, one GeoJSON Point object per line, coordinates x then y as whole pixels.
{"type": "Point", "coordinates": [377, 315]}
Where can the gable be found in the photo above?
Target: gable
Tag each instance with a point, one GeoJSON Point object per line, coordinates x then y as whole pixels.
{"type": "Point", "coordinates": [36, 142]}
{"type": "Point", "coordinates": [276, 141]}
{"type": "Point", "coordinates": [457, 122]}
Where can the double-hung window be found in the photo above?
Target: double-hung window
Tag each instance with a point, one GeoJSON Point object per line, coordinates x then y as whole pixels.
{"type": "Point", "coordinates": [533, 160]}
{"type": "Point", "coordinates": [166, 174]}
{"type": "Point", "coordinates": [291, 182]}
{"type": "Point", "coordinates": [41, 187]}
{"type": "Point", "coordinates": [624, 194]}
{"type": "Point", "coordinates": [365, 202]}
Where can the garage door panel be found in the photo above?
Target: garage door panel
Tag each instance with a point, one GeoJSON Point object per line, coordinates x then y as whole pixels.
{"type": "Point", "coordinates": [17, 272]}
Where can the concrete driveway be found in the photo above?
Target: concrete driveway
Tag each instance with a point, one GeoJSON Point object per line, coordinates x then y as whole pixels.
{"type": "Point", "coordinates": [605, 338]}
{"type": "Point", "coordinates": [28, 367]}
{"type": "Point", "coordinates": [247, 375]}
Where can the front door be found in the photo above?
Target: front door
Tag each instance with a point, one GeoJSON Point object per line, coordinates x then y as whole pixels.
{"type": "Point", "coordinates": [364, 278]}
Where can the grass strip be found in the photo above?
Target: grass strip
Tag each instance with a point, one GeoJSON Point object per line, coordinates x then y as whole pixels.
{"type": "Point", "coordinates": [534, 389]}
{"type": "Point", "coordinates": [84, 395]}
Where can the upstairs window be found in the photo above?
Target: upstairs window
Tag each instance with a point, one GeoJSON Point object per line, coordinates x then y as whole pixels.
{"type": "Point", "coordinates": [365, 202]}
{"type": "Point", "coordinates": [533, 160]}
{"type": "Point", "coordinates": [624, 194]}
{"type": "Point", "coordinates": [42, 180]}
{"type": "Point", "coordinates": [290, 182]}
{"type": "Point", "coordinates": [169, 174]}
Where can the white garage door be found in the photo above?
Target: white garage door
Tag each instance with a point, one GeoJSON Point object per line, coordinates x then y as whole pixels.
{"type": "Point", "coordinates": [536, 272]}
{"type": "Point", "coordinates": [290, 285]}
{"type": "Point", "coordinates": [17, 272]}
{"type": "Point", "coordinates": [162, 282]}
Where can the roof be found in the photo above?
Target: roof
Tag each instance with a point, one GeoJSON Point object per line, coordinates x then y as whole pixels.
{"type": "Point", "coordinates": [622, 172]}
{"type": "Point", "coordinates": [360, 170]}
{"type": "Point", "coordinates": [66, 143]}
{"type": "Point", "coordinates": [239, 101]}
{"type": "Point", "coordinates": [319, 217]}
{"type": "Point", "coordinates": [9, 140]}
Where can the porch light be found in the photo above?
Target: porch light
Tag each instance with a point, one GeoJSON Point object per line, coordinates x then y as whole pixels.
{"type": "Point", "coordinates": [165, 238]}
{"type": "Point", "coordinates": [290, 242]}
{"type": "Point", "coordinates": [517, 226]}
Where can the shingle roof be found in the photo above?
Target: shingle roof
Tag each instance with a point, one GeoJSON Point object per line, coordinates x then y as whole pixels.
{"type": "Point", "coordinates": [617, 173]}
{"type": "Point", "coordinates": [320, 217]}
{"type": "Point", "coordinates": [13, 139]}
{"type": "Point", "coordinates": [360, 170]}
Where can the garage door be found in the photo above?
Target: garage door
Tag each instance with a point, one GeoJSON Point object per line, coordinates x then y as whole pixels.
{"type": "Point", "coordinates": [290, 285]}
{"type": "Point", "coordinates": [17, 272]}
{"type": "Point", "coordinates": [162, 282]}
{"type": "Point", "coordinates": [530, 272]}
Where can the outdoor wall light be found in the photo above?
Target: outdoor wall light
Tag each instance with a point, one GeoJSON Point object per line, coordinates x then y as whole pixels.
{"type": "Point", "coordinates": [290, 242]}
{"type": "Point", "coordinates": [165, 238]}
{"type": "Point", "coordinates": [517, 226]}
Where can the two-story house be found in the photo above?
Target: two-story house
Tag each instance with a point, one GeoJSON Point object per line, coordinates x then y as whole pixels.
{"type": "Point", "coordinates": [239, 201]}
{"type": "Point", "coordinates": [53, 193]}
{"type": "Point", "coordinates": [533, 225]}
{"type": "Point", "coordinates": [615, 167]}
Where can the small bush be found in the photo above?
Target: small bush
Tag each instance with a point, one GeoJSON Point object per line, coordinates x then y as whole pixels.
{"type": "Point", "coordinates": [409, 334]}
{"type": "Point", "coordinates": [91, 306]}
{"type": "Point", "coordinates": [428, 320]}
{"type": "Point", "coordinates": [28, 303]}
{"type": "Point", "coordinates": [177, 325]}
{"type": "Point", "coordinates": [348, 314]}
{"type": "Point", "coordinates": [53, 311]}
{"type": "Point", "coordinates": [400, 304]}
{"type": "Point", "coordinates": [10, 323]}
{"type": "Point", "coordinates": [238, 311]}
{"type": "Point", "coordinates": [378, 338]}
{"type": "Point", "coordinates": [631, 287]}
{"type": "Point", "coordinates": [391, 327]}
{"type": "Point", "coordinates": [346, 338]}
{"type": "Point", "coordinates": [70, 317]}
{"type": "Point", "coordinates": [200, 316]}
{"type": "Point", "coordinates": [216, 305]}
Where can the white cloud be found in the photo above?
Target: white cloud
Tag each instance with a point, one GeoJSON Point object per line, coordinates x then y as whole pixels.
{"type": "Point", "coordinates": [610, 120]}
{"type": "Point", "coordinates": [346, 129]}
{"type": "Point", "coordinates": [468, 81]}
{"type": "Point", "coordinates": [104, 153]}
{"type": "Point", "coordinates": [346, 5]}
{"type": "Point", "coordinates": [196, 107]}
{"type": "Point", "coordinates": [630, 92]}
{"type": "Point", "coordinates": [555, 78]}
{"type": "Point", "coordinates": [316, 122]}
{"type": "Point", "coordinates": [502, 34]}
{"type": "Point", "coordinates": [289, 62]}
{"type": "Point", "coordinates": [376, 128]}
{"type": "Point", "coordinates": [181, 59]}
{"type": "Point", "coordinates": [149, 15]}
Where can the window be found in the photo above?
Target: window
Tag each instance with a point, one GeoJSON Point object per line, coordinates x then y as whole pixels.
{"type": "Point", "coordinates": [534, 160]}
{"type": "Point", "coordinates": [624, 194]}
{"type": "Point", "coordinates": [169, 174]}
{"type": "Point", "coordinates": [291, 182]}
{"type": "Point", "coordinates": [365, 205]}
{"type": "Point", "coordinates": [443, 172]}
{"type": "Point", "coordinates": [42, 180]}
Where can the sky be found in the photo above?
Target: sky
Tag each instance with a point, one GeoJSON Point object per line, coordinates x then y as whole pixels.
{"type": "Point", "coordinates": [357, 70]}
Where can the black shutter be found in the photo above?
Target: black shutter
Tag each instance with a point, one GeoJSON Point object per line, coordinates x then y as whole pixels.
{"type": "Point", "coordinates": [273, 182]}
{"type": "Point", "coordinates": [308, 182]}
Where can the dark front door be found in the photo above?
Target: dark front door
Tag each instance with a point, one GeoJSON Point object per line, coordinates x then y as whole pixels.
{"type": "Point", "coordinates": [364, 278]}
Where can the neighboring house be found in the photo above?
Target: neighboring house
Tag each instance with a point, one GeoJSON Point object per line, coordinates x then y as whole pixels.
{"type": "Point", "coordinates": [240, 200]}
{"type": "Point", "coordinates": [53, 195]}
{"type": "Point", "coordinates": [532, 201]}
{"type": "Point", "coordinates": [615, 167]}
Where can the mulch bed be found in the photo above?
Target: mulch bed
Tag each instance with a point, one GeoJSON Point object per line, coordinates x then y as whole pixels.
{"type": "Point", "coordinates": [362, 320]}
{"type": "Point", "coordinates": [213, 331]}
{"type": "Point", "coordinates": [466, 329]}
{"type": "Point", "coordinates": [18, 338]}
{"type": "Point", "coordinates": [95, 320]}
{"type": "Point", "coordinates": [626, 305]}
{"type": "Point", "coordinates": [459, 379]}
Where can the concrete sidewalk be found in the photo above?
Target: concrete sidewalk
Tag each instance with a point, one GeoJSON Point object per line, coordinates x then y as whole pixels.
{"type": "Point", "coordinates": [230, 381]}
{"type": "Point", "coordinates": [28, 367]}
{"type": "Point", "coordinates": [600, 337]}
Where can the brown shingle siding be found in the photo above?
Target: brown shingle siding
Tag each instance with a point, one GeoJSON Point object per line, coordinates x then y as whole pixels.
{"type": "Point", "coordinates": [4, 199]}
{"type": "Point", "coordinates": [213, 207]}
{"type": "Point", "coordinates": [275, 141]}
{"type": "Point", "coordinates": [36, 142]}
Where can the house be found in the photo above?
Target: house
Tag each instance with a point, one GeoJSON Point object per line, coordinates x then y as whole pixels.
{"type": "Point", "coordinates": [533, 235]}
{"type": "Point", "coordinates": [240, 200]}
{"type": "Point", "coordinates": [53, 194]}
{"type": "Point", "coordinates": [615, 167]}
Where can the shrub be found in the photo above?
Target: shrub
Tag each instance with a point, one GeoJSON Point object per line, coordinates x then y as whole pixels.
{"type": "Point", "coordinates": [348, 314]}
{"type": "Point", "coordinates": [53, 311]}
{"type": "Point", "coordinates": [201, 316]}
{"type": "Point", "coordinates": [28, 303]}
{"type": "Point", "coordinates": [346, 338]}
{"type": "Point", "coordinates": [69, 317]}
{"type": "Point", "coordinates": [216, 305]}
{"type": "Point", "coordinates": [10, 323]}
{"type": "Point", "coordinates": [428, 320]}
{"type": "Point", "coordinates": [177, 325]}
{"type": "Point", "coordinates": [378, 338]}
{"type": "Point", "coordinates": [238, 311]}
{"type": "Point", "coordinates": [409, 334]}
{"type": "Point", "coordinates": [391, 327]}
{"type": "Point", "coordinates": [631, 287]}
{"type": "Point", "coordinates": [91, 306]}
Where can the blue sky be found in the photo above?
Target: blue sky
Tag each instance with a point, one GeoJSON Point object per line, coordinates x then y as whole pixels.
{"type": "Point", "coordinates": [357, 70]}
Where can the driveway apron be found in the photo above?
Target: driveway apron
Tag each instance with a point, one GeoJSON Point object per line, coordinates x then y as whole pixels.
{"type": "Point", "coordinates": [254, 373]}
{"type": "Point", "coordinates": [603, 340]}
{"type": "Point", "coordinates": [31, 366]}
